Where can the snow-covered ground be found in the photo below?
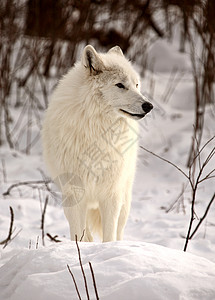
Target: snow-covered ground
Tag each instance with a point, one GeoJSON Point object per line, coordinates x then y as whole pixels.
{"type": "Point", "coordinates": [150, 263]}
{"type": "Point", "coordinates": [123, 270]}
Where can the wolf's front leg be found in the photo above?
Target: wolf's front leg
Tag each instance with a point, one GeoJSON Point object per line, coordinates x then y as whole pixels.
{"type": "Point", "coordinates": [76, 216]}
{"type": "Point", "coordinates": [124, 212]}
{"type": "Point", "coordinates": [110, 210]}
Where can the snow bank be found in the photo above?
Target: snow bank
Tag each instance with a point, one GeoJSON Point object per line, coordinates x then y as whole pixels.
{"type": "Point", "coordinates": [123, 270]}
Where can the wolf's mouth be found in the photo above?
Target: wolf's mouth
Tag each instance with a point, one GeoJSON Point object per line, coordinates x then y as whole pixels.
{"type": "Point", "coordinates": [139, 116]}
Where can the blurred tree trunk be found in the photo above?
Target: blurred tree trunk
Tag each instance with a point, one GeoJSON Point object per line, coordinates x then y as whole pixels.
{"type": "Point", "coordinates": [45, 19]}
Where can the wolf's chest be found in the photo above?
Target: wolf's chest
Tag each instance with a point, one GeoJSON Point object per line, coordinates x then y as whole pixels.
{"type": "Point", "coordinates": [110, 153]}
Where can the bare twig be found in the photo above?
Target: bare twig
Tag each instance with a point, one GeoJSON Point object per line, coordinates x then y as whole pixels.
{"type": "Point", "coordinates": [73, 278]}
{"type": "Point", "coordinates": [191, 220]}
{"type": "Point", "coordinates": [171, 207]}
{"type": "Point", "coordinates": [46, 179]}
{"type": "Point", "coordinates": [37, 243]}
{"type": "Point", "coordinates": [198, 150]}
{"type": "Point", "coordinates": [43, 219]}
{"type": "Point", "coordinates": [207, 176]}
{"type": "Point", "coordinates": [203, 217]}
{"type": "Point", "coordinates": [84, 276]}
{"type": "Point", "coordinates": [29, 183]}
{"type": "Point", "coordinates": [82, 269]}
{"type": "Point", "coordinates": [53, 238]}
{"type": "Point", "coordinates": [11, 231]}
{"type": "Point", "coordinates": [203, 147]}
{"type": "Point", "coordinates": [194, 181]}
{"type": "Point", "coordinates": [6, 124]}
{"type": "Point", "coordinates": [94, 281]}
{"type": "Point", "coordinates": [18, 232]}
{"type": "Point", "coordinates": [166, 160]}
{"type": "Point", "coordinates": [174, 80]}
{"type": "Point", "coordinates": [82, 235]}
{"type": "Point", "coordinates": [5, 242]}
{"type": "Point", "coordinates": [4, 173]}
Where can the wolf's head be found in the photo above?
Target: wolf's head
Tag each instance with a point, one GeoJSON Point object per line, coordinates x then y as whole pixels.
{"type": "Point", "coordinates": [117, 82]}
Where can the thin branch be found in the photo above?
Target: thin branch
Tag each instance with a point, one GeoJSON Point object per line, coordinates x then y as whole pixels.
{"type": "Point", "coordinates": [203, 166]}
{"type": "Point", "coordinates": [46, 183]}
{"type": "Point", "coordinates": [203, 217]}
{"type": "Point", "coordinates": [73, 278]}
{"type": "Point", "coordinates": [82, 269]}
{"type": "Point", "coordinates": [167, 210]}
{"type": "Point", "coordinates": [37, 243]}
{"type": "Point", "coordinates": [191, 218]}
{"type": "Point", "coordinates": [5, 242]}
{"type": "Point", "coordinates": [210, 177]}
{"type": "Point", "coordinates": [194, 182]}
{"type": "Point", "coordinates": [82, 235]}
{"type": "Point", "coordinates": [4, 170]}
{"type": "Point", "coordinates": [211, 154]}
{"type": "Point", "coordinates": [94, 281]}
{"type": "Point", "coordinates": [43, 212]}
{"type": "Point", "coordinates": [169, 162]}
{"type": "Point", "coordinates": [207, 176]}
{"type": "Point", "coordinates": [83, 273]}
{"type": "Point", "coordinates": [202, 149]}
{"type": "Point", "coordinates": [198, 149]}
{"type": "Point", "coordinates": [43, 219]}
{"type": "Point", "coordinates": [53, 238]}
{"type": "Point", "coordinates": [12, 238]}
{"type": "Point", "coordinates": [25, 183]}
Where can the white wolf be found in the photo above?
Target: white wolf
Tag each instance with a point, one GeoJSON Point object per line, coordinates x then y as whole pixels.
{"type": "Point", "coordinates": [90, 142]}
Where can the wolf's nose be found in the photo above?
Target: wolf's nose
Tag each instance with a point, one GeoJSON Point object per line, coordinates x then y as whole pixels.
{"type": "Point", "coordinates": [147, 107]}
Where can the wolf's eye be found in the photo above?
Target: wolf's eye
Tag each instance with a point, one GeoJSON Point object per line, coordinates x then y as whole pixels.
{"type": "Point", "coordinates": [120, 85]}
{"type": "Point", "coordinates": [137, 85]}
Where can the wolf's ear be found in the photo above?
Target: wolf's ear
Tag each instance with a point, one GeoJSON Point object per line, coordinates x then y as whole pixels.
{"type": "Point", "coordinates": [92, 60]}
{"type": "Point", "coordinates": [116, 50]}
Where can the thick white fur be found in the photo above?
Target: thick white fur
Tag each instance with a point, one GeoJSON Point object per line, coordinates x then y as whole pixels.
{"type": "Point", "coordinates": [84, 114]}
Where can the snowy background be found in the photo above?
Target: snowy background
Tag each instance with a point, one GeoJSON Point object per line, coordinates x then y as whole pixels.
{"type": "Point", "coordinates": [150, 262]}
